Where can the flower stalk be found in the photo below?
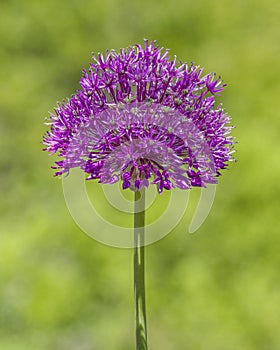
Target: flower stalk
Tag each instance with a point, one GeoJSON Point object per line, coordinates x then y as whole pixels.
{"type": "Point", "coordinates": [139, 270]}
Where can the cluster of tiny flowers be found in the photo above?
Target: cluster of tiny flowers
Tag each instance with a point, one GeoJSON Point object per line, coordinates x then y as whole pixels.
{"type": "Point", "coordinates": [142, 118]}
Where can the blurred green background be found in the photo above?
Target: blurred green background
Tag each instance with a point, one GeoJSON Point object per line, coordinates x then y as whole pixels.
{"type": "Point", "coordinates": [217, 289]}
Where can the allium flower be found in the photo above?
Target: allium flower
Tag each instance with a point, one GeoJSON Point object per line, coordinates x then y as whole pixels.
{"type": "Point", "coordinates": [143, 119]}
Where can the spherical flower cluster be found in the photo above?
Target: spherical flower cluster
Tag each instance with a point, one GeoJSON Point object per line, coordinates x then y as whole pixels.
{"type": "Point", "coordinates": [143, 119]}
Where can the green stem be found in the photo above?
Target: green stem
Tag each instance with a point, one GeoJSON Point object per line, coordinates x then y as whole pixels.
{"type": "Point", "coordinates": [139, 270]}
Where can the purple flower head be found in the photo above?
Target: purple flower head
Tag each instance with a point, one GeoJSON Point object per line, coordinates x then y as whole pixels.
{"type": "Point", "coordinates": [143, 119]}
